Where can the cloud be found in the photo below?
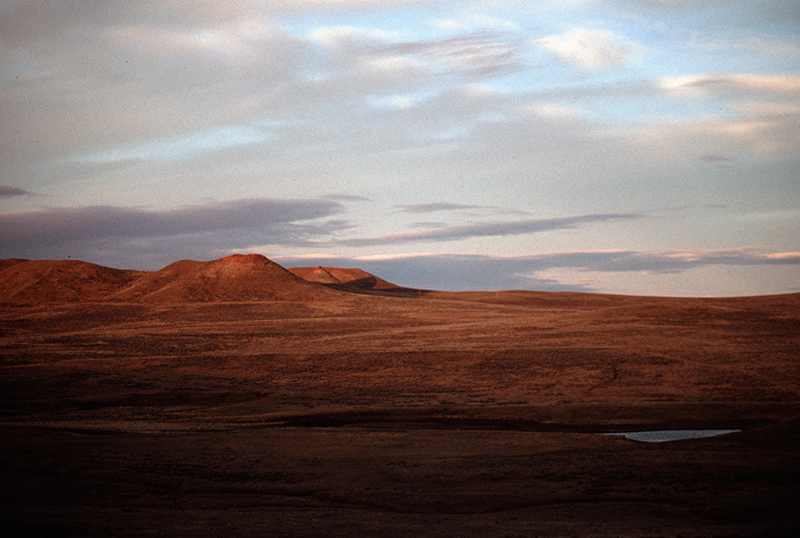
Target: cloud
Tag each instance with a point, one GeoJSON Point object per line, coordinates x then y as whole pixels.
{"type": "Point", "coordinates": [79, 82]}
{"type": "Point", "coordinates": [179, 147]}
{"type": "Point", "coordinates": [438, 207]}
{"type": "Point", "coordinates": [25, 21]}
{"type": "Point", "coordinates": [7, 191]}
{"type": "Point", "coordinates": [663, 261]}
{"type": "Point", "coordinates": [761, 111]}
{"type": "Point", "coordinates": [433, 207]}
{"type": "Point", "coordinates": [154, 81]}
{"type": "Point", "coordinates": [486, 229]}
{"type": "Point", "coordinates": [373, 52]}
{"type": "Point", "coordinates": [476, 21]}
{"type": "Point", "coordinates": [592, 50]}
{"type": "Point", "coordinates": [397, 102]}
{"type": "Point", "coordinates": [345, 198]}
{"type": "Point", "coordinates": [766, 109]}
{"type": "Point", "coordinates": [482, 53]}
{"type": "Point", "coordinates": [736, 83]}
{"type": "Point", "coordinates": [302, 6]}
{"type": "Point", "coordinates": [553, 111]}
{"type": "Point", "coordinates": [352, 36]}
{"type": "Point", "coordinates": [673, 4]}
{"type": "Point", "coordinates": [236, 224]}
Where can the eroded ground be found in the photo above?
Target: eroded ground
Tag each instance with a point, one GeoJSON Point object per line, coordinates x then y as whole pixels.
{"type": "Point", "coordinates": [442, 415]}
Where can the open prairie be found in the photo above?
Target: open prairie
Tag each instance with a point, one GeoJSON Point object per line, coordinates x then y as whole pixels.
{"type": "Point", "coordinates": [163, 408]}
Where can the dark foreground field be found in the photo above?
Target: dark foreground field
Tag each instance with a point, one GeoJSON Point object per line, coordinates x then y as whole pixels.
{"type": "Point", "coordinates": [441, 415]}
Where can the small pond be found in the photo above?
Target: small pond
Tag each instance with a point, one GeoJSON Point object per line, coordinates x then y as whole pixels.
{"type": "Point", "coordinates": [660, 436]}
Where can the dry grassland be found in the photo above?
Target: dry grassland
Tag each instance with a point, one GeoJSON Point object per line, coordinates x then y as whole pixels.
{"type": "Point", "coordinates": [440, 414]}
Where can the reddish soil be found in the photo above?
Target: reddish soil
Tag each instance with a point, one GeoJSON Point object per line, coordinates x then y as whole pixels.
{"type": "Point", "coordinates": [228, 399]}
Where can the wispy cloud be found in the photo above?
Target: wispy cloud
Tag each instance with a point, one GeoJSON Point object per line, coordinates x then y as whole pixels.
{"type": "Point", "coordinates": [479, 53]}
{"type": "Point", "coordinates": [663, 261]}
{"type": "Point", "coordinates": [180, 147]}
{"type": "Point", "coordinates": [742, 83]}
{"type": "Point", "coordinates": [8, 191]}
{"type": "Point", "coordinates": [487, 229]}
{"type": "Point", "coordinates": [592, 50]}
{"type": "Point", "coordinates": [475, 21]}
{"type": "Point", "coordinates": [434, 207]}
{"type": "Point", "coordinates": [378, 52]}
{"type": "Point", "coordinates": [352, 36]}
{"type": "Point", "coordinates": [345, 198]}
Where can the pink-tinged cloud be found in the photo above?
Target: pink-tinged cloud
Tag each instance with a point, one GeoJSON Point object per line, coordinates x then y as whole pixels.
{"type": "Point", "coordinates": [663, 261]}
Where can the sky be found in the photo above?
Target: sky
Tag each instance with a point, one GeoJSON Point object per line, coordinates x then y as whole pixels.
{"type": "Point", "coordinates": [615, 146]}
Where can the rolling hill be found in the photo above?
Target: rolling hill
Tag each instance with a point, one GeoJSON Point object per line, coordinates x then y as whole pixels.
{"type": "Point", "coordinates": [234, 278]}
{"type": "Point", "coordinates": [41, 282]}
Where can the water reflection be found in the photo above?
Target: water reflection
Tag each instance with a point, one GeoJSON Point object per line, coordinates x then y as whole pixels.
{"type": "Point", "coordinates": [660, 436]}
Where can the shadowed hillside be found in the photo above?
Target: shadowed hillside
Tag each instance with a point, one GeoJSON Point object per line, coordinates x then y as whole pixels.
{"type": "Point", "coordinates": [352, 280]}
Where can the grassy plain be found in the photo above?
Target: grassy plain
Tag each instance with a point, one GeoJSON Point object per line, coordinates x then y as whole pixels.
{"type": "Point", "coordinates": [440, 414]}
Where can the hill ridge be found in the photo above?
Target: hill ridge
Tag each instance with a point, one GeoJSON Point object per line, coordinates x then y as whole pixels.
{"type": "Point", "coordinates": [239, 277]}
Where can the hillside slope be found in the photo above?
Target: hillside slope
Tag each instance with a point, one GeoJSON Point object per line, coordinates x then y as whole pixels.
{"type": "Point", "coordinates": [41, 282]}
{"type": "Point", "coordinates": [234, 278]}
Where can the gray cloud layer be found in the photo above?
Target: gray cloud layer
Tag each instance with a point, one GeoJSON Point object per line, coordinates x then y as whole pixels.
{"type": "Point", "coordinates": [487, 229]}
{"type": "Point", "coordinates": [7, 191]}
{"type": "Point", "coordinates": [92, 233]}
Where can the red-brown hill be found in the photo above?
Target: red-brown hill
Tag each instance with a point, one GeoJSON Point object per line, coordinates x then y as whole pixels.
{"type": "Point", "coordinates": [41, 282]}
{"type": "Point", "coordinates": [234, 278]}
{"type": "Point", "coordinates": [352, 280]}
{"type": "Point", "coordinates": [250, 277]}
